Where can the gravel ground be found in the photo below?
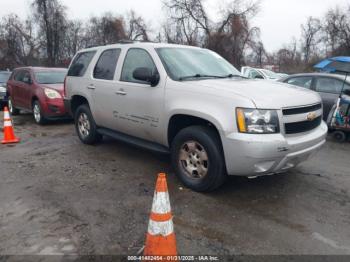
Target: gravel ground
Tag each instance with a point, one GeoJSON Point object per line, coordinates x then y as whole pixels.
{"type": "Point", "coordinates": [58, 196]}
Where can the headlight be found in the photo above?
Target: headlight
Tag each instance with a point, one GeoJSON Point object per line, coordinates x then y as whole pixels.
{"type": "Point", "coordinates": [52, 94]}
{"type": "Point", "coordinates": [257, 121]}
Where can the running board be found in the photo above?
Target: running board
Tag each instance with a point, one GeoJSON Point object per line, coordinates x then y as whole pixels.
{"type": "Point", "coordinates": [138, 142]}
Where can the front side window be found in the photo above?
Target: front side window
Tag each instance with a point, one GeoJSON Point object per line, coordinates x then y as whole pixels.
{"type": "Point", "coordinates": [301, 81]}
{"type": "Point", "coordinates": [255, 74]}
{"type": "Point", "coordinates": [19, 75]}
{"type": "Point", "coordinates": [106, 65]}
{"type": "Point", "coordinates": [80, 64]}
{"type": "Point", "coordinates": [26, 77]}
{"type": "Point", "coordinates": [182, 63]}
{"type": "Point", "coordinates": [134, 59]}
{"type": "Point", "coordinates": [329, 85]}
{"type": "Point", "coordinates": [50, 77]}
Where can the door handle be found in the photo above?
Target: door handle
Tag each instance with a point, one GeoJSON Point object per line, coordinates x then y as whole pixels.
{"type": "Point", "coordinates": [121, 92]}
{"type": "Point", "coordinates": [91, 87]}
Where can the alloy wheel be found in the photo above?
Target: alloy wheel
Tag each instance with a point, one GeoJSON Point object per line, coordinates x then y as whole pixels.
{"type": "Point", "coordinates": [84, 125]}
{"type": "Point", "coordinates": [37, 113]}
{"type": "Point", "coordinates": [193, 160]}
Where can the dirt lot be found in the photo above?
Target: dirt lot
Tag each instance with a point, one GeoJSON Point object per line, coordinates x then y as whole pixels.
{"type": "Point", "coordinates": [58, 196]}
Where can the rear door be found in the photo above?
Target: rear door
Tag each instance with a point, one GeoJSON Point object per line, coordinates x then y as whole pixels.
{"type": "Point", "coordinates": [329, 90]}
{"type": "Point", "coordinates": [105, 89]}
{"type": "Point", "coordinates": [17, 88]}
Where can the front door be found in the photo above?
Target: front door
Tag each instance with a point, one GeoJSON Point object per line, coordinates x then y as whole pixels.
{"type": "Point", "coordinates": [140, 105]}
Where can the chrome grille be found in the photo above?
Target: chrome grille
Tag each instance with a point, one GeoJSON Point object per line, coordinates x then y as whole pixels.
{"type": "Point", "coordinates": [302, 119]}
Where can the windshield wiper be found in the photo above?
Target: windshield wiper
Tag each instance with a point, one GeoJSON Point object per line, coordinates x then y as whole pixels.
{"type": "Point", "coordinates": [199, 76]}
{"type": "Point", "coordinates": [207, 76]}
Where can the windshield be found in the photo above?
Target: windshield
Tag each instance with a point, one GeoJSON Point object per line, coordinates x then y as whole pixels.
{"type": "Point", "coordinates": [4, 76]}
{"type": "Point", "coordinates": [50, 77]}
{"type": "Point", "coordinates": [270, 74]}
{"type": "Point", "coordinates": [187, 63]}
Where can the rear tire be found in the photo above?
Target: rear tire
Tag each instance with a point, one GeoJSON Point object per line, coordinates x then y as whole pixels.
{"type": "Point", "coordinates": [85, 126]}
{"type": "Point", "coordinates": [38, 113]}
{"type": "Point", "coordinates": [198, 159]}
{"type": "Point", "coordinates": [340, 136]}
{"type": "Point", "coordinates": [13, 111]}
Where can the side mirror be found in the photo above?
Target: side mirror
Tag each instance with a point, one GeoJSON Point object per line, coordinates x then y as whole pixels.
{"type": "Point", "coordinates": [146, 75]}
{"type": "Point", "coordinates": [258, 77]}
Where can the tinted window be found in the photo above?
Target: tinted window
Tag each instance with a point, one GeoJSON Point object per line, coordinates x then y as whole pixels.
{"type": "Point", "coordinates": [50, 77]}
{"type": "Point", "coordinates": [80, 64]}
{"type": "Point", "coordinates": [106, 65]}
{"type": "Point", "coordinates": [19, 76]}
{"type": "Point", "coordinates": [26, 77]}
{"type": "Point", "coordinates": [329, 85]}
{"type": "Point", "coordinates": [136, 58]}
{"type": "Point", "coordinates": [301, 81]}
{"type": "Point", "coordinates": [22, 76]}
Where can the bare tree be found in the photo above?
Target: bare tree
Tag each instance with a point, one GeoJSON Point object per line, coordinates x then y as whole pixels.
{"type": "Point", "coordinates": [103, 30]}
{"type": "Point", "coordinates": [309, 37]}
{"type": "Point", "coordinates": [230, 35]}
{"type": "Point", "coordinates": [337, 30]}
{"type": "Point", "coordinates": [52, 21]}
{"type": "Point", "coordinates": [18, 41]}
{"type": "Point", "coordinates": [136, 27]}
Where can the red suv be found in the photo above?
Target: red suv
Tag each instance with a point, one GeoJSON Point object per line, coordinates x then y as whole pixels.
{"type": "Point", "coordinates": [39, 90]}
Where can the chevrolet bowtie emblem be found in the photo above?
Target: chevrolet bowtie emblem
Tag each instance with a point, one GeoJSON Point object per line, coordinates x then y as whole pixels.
{"type": "Point", "coordinates": [311, 116]}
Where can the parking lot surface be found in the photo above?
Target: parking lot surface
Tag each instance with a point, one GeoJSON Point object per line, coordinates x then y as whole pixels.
{"type": "Point", "coordinates": [58, 196]}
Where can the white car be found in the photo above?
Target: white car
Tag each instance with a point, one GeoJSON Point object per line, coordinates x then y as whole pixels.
{"type": "Point", "coordinates": [257, 73]}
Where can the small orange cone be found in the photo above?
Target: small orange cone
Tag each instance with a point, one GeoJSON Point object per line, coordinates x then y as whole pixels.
{"type": "Point", "coordinates": [9, 135]}
{"type": "Point", "coordinates": [160, 240]}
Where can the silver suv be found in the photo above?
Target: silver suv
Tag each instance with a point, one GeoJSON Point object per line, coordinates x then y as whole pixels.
{"type": "Point", "coordinates": [193, 104]}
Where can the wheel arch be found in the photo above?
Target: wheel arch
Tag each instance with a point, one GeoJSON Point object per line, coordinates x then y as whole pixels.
{"type": "Point", "coordinates": [76, 101]}
{"type": "Point", "coordinates": [179, 121]}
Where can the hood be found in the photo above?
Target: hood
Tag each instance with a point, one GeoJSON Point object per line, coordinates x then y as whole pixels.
{"type": "Point", "coordinates": [58, 87]}
{"type": "Point", "coordinates": [264, 94]}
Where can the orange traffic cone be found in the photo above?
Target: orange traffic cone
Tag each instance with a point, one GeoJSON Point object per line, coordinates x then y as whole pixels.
{"type": "Point", "coordinates": [160, 240]}
{"type": "Point", "coordinates": [9, 135]}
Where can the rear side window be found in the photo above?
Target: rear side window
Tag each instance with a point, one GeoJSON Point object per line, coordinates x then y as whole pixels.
{"type": "Point", "coordinates": [301, 81]}
{"type": "Point", "coordinates": [106, 65]}
{"type": "Point", "coordinates": [329, 85]}
{"type": "Point", "coordinates": [80, 63]}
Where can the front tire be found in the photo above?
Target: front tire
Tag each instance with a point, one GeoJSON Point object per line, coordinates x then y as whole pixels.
{"type": "Point", "coordinates": [38, 113]}
{"type": "Point", "coordinates": [198, 159]}
{"type": "Point", "coordinates": [13, 111]}
{"type": "Point", "coordinates": [85, 126]}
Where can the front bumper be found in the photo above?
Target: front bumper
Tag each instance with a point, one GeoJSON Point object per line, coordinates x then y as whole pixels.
{"type": "Point", "coordinates": [256, 155]}
{"type": "Point", "coordinates": [54, 108]}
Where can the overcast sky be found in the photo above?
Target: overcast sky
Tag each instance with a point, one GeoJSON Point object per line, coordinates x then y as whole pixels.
{"type": "Point", "coordinates": [279, 20]}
